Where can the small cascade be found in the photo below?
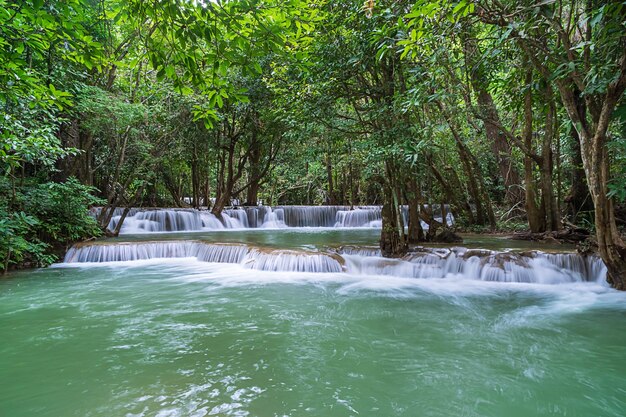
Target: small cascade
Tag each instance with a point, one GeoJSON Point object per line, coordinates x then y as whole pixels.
{"type": "Point", "coordinates": [210, 222]}
{"type": "Point", "coordinates": [236, 218]}
{"type": "Point", "coordinates": [162, 220]}
{"type": "Point", "coordinates": [231, 254]}
{"type": "Point", "coordinates": [124, 252]}
{"type": "Point", "coordinates": [251, 258]}
{"type": "Point", "coordinates": [359, 250]}
{"type": "Point", "coordinates": [274, 219]}
{"type": "Point", "coordinates": [179, 220]}
{"type": "Point", "coordinates": [456, 263]}
{"type": "Point", "coordinates": [460, 263]}
{"type": "Point", "coordinates": [359, 217]}
{"type": "Point", "coordinates": [237, 222]}
{"type": "Point", "coordinates": [310, 216]}
{"type": "Point", "coordinates": [291, 261]}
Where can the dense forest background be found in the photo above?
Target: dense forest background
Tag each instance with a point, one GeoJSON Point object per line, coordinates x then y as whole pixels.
{"type": "Point", "coordinates": [511, 112]}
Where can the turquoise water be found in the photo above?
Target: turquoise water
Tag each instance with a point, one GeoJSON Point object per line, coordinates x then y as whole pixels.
{"type": "Point", "coordinates": [187, 338]}
{"type": "Point", "coordinates": [307, 238]}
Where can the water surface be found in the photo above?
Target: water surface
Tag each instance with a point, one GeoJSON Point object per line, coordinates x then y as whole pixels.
{"type": "Point", "coordinates": [186, 338]}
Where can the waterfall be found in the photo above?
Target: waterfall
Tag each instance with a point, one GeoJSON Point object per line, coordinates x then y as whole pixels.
{"type": "Point", "coordinates": [122, 252]}
{"type": "Point", "coordinates": [237, 218]}
{"type": "Point", "coordinates": [251, 258]}
{"type": "Point", "coordinates": [177, 220]}
{"type": "Point", "coordinates": [186, 220]}
{"type": "Point", "coordinates": [167, 220]}
{"type": "Point", "coordinates": [291, 261]}
{"type": "Point", "coordinates": [456, 263]}
{"type": "Point", "coordinates": [273, 219]}
{"type": "Point", "coordinates": [310, 216]}
{"type": "Point", "coordinates": [359, 217]}
{"type": "Point", "coordinates": [528, 267]}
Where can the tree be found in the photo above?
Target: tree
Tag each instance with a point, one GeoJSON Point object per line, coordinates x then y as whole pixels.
{"type": "Point", "coordinates": [581, 48]}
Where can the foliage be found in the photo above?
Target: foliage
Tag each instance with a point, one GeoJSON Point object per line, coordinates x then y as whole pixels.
{"type": "Point", "coordinates": [61, 210]}
{"type": "Point", "coordinates": [180, 102]}
{"type": "Point", "coordinates": [40, 218]}
{"type": "Point", "coordinates": [30, 137]}
{"type": "Point", "coordinates": [16, 245]}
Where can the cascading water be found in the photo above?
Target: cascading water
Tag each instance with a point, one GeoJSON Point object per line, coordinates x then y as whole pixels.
{"type": "Point", "coordinates": [457, 263]}
{"type": "Point", "coordinates": [291, 323]}
{"type": "Point", "coordinates": [251, 258]}
{"type": "Point", "coordinates": [179, 220]}
{"type": "Point", "coordinates": [460, 263]}
{"type": "Point", "coordinates": [273, 219]}
{"type": "Point", "coordinates": [359, 217]}
{"type": "Point", "coordinates": [292, 261]}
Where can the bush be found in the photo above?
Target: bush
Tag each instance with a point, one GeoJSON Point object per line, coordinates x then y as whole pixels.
{"type": "Point", "coordinates": [62, 211]}
{"type": "Point", "coordinates": [16, 242]}
{"type": "Point", "coordinates": [36, 220]}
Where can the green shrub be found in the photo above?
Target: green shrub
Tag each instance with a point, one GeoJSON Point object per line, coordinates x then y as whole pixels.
{"type": "Point", "coordinates": [40, 218]}
{"type": "Point", "coordinates": [16, 242]}
{"type": "Point", "coordinates": [62, 210]}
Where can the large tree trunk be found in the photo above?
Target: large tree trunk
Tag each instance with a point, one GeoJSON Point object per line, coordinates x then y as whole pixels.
{"type": "Point", "coordinates": [610, 245]}
{"type": "Point", "coordinates": [548, 196]}
{"type": "Point", "coordinates": [578, 199]}
{"type": "Point", "coordinates": [252, 193]}
{"type": "Point", "coordinates": [596, 162]}
{"type": "Point", "coordinates": [392, 238]}
{"type": "Point", "coordinates": [222, 196]}
{"type": "Point", "coordinates": [392, 243]}
{"type": "Point", "coordinates": [415, 232]}
{"type": "Point", "coordinates": [533, 213]}
{"type": "Point", "coordinates": [220, 203]}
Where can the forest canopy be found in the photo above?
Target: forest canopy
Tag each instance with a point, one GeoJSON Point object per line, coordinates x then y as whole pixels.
{"type": "Point", "coordinates": [512, 113]}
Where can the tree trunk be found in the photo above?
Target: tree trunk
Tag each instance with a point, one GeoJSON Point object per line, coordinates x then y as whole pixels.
{"type": "Point", "coordinates": [534, 215]}
{"type": "Point", "coordinates": [578, 199]}
{"type": "Point", "coordinates": [392, 238]}
{"type": "Point", "coordinates": [331, 189]}
{"type": "Point", "coordinates": [252, 192]}
{"type": "Point", "coordinates": [415, 231]}
{"type": "Point", "coordinates": [195, 182]}
{"type": "Point", "coordinates": [596, 163]}
{"type": "Point", "coordinates": [500, 147]}
{"type": "Point", "coordinates": [119, 224]}
{"type": "Point", "coordinates": [476, 182]}
{"type": "Point", "coordinates": [221, 197]}
{"type": "Point", "coordinates": [552, 216]}
{"type": "Point", "coordinates": [610, 245]}
{"type": "Point", "coordinates": [392, 244]}
{"type": "Point", "coordinates": [207, 195]}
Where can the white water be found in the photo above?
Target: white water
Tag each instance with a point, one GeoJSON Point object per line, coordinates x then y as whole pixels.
{"type": "Point", "coordinates": [177, 220]}
{"type": "Point", "coordinates": [457, 263]}
{"type": "Point", "coordinates": [250, 258]}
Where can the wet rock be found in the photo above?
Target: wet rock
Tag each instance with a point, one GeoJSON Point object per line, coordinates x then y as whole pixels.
{"type": "Point", "coordinates": [448, 236]}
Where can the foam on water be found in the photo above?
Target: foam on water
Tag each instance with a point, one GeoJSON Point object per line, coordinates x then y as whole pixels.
{"type": "Point", "coordinates": [449, 264]}
{"type": "Point", "coordinates": [565, 298]}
